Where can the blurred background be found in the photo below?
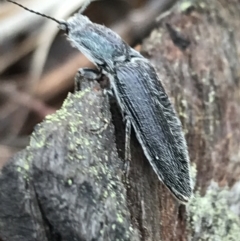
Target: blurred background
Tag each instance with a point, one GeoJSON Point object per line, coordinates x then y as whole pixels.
{"type": "Point", "coordinates": [37, 63]}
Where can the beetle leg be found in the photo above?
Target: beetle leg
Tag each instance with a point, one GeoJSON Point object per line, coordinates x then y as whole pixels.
{"type": "Point", "coordinates": [91, 75]}
{"type": "Point", "coordinates": [86, 73]}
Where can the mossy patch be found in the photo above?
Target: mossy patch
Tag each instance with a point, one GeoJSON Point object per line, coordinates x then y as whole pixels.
{"type": "Point", "coordinates": [210, 217]}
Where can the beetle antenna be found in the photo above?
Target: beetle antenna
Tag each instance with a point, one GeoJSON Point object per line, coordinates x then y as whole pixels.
{"type": "Point", "coordinates": [61, 23]}
{"type": "Point", "coordinates": [32, 11]}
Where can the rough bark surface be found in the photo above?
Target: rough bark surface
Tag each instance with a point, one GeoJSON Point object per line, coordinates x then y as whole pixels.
{"type": "Point", "coordinates": [196, 52]}
{"type": "Point", "coordinates": [67, 185]}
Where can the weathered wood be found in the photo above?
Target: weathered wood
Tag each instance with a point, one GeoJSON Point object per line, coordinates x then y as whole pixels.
{"type": "Point", "coordinates": [66, 185]}
{"type": "Point", "coordinates": [198, 61]}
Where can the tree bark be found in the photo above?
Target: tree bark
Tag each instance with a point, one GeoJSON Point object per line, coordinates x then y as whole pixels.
{"type": "Point", "coordinates": [68, 185]}
{"type": "Point", "coordinates": [196, 53]}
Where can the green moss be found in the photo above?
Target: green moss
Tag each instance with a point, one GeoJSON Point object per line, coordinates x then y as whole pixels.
{"type": "Point", "coordinates": [120, 218]}
{"type": "Point", "coordinates": [210, 217]}
{"type": "Point", "coordinates": [70, 182]}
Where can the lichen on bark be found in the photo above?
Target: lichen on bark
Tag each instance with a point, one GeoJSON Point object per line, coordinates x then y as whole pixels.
{"type": "Point", "coordinates": [67, 183]}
